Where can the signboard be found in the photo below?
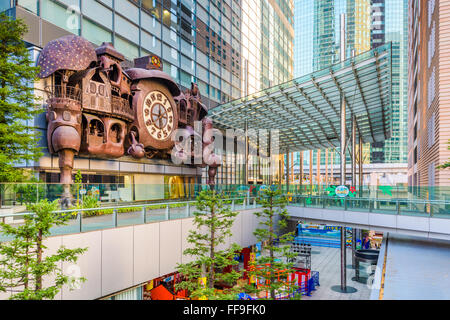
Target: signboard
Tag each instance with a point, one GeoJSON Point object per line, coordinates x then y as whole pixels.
{"type": "Point", "coordinates": [321, 235]}
{"type": "Point", "coordinates": [342, 191]}
{"type": "Point", "coordinates": [156, 62]}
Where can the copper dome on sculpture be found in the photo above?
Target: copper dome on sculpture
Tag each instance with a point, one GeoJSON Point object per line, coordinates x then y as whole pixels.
{"type": "Point", "coordinates": [66, 53]}
{"type": "Point", "coordinates": [108, 49]}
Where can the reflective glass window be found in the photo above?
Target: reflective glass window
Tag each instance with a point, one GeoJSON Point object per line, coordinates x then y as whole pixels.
{"type": "Point", "coordinates": [170, 37]}
{"type": "Point", "coordinates": [187, 64]}
{"type": "Point", "coordinates": [126, 29]}
{"type": "Point", "coordinates": [185, 79]}
{"type": "Point", "coordinates": [98, 13]}
{"type": "Point", "coordinates": [107, 2]}
{"type": "Point", "coordinates": [170, 54]}
{"type": "Point", "coordinates": [171, 70]}
{"type": "Point", "coordinates": [61, 16]}
{"type": "Point", "coordinates": [151, 24]}
{"type": "Point", "coordinates": [202, 59]}
{"type": "Point", "coordinates": [151, 43]}
{"type": "Point", "coordinates": [31, 5]}
{"type": "Point", "coordinates": [127, 9]}
{"type": "Point", "coordinates": [153, 7]}
{"type": "Point", "coordinates": [202, 73]}
{"type": "Point", "coordinates": [127, 48]}
{"type": "Point", "coordinates": [95, 33]}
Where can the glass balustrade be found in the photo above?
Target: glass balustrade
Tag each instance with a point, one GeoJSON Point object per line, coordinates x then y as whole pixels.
{"type": "Point", "coordinates": [101, 206]}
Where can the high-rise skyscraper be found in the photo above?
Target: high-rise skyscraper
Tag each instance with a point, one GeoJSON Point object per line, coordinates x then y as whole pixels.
{"type": "Point", "coordinates": [389, 24]}
{"type": "Point", "coordinates": [368, 25]}
{"type": "Point", "coordinates": [267, 37]}
{"type": "Point", "coordinates": [429, 112]}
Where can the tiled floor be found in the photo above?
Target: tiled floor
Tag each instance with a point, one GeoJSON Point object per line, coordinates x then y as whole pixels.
{"type": "Point", "coordinates": [327, 262]}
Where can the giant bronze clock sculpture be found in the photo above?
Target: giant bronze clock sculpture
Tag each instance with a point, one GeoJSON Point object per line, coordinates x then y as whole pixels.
{"type": "Point", "coordinates": [97, 108]}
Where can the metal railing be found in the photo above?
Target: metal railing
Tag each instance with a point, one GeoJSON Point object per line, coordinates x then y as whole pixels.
{"type": "Point", "coordinates": [66, 92]}
{"type": "Point", "coordinates": [18, 194]}
{"type": "Point", "coordinates": [416, 207]}
{"type": "Point", "coordinates": [89, 219]}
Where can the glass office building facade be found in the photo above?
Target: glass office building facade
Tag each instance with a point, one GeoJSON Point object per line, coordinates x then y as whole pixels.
{"type": "Point", "coordinates": [267, 37]}
{"type": "Point", "coordinates": [199, 41]}
{"type": "Point", "coordinates": [368, 25]}
{"type": "Point", "coordinates": [230, 48]}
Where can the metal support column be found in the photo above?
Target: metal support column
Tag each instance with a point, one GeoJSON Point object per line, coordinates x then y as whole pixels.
{"type": "Point", "coordinates": [360, 167]}
{"type": "Point", "coordinates": [326, 168]}
{"type": "Point", "coordinates": [287, 171]}
{"type": "Point", "coordinates": [246, 154]}
{"type": "Point", "coordinates": [353, 247]}
{"type": "Point", "coordinates": [318, 170]}
{"type": "Point", "coordinates": [342, 151]}
{"type": "Point", "coordinates": [301, 170]}
{"type": "Point", "coordinates": [310, 170]}
{"type": "Point", "coordinates": [343, 287]}
{"type": "Point", "coordinates": [354, 150]}
{"type": "Point", "coordinates": [291, 169]}
{"type": "Point", "coordinates": [270, 169]}
{"type": "Point", "coordinates": [332, 166]}
{"type": "Point", "coordinates": [280, 172]}
{"type": "Point", "coordinates": [342, 146]}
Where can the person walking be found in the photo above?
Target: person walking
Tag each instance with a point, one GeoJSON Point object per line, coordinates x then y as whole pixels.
{"type": "Point", "coordinates": [366, 242]}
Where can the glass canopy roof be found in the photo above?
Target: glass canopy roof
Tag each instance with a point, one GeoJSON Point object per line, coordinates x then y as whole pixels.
{"type": "Point", "coordinates": [306, 110]}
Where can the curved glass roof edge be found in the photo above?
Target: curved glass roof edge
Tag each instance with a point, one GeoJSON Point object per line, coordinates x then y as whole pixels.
{"type": "Point", "coordinates": [313, 101]}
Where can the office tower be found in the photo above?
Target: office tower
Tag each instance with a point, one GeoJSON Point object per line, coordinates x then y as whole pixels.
{"type": "Point", "coordinates": [267, 36]}
{"type": "Point", "coordinates": [368, 24]}
{"type": "Point", "coordinates": [428, 111]}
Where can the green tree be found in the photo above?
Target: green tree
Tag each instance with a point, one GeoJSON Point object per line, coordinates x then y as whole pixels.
{"type": "Point", "coordinates": [24, 261]}
{"type": "Point", "coordinates": [274, 264]}
{"type": "Point", "coordinates": [445, 164]}
{"type": "Point", "coordinates": [18, 137]}
{"type": "Point", "coordinates": [213, 224]}
{"type": "Point", "coordinates": [78, 184]}
{"type": "Point", "coordinates": [30, 191]}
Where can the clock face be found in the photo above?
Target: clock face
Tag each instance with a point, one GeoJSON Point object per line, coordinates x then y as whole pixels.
{"type": "Point", "coordinates": [158, 115]}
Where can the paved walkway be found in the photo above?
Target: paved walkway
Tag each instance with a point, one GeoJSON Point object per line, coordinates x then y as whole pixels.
{"type": "Point", "coordinates": [417, 268]}
{"type": "Point", "coordinates": [327, 262]}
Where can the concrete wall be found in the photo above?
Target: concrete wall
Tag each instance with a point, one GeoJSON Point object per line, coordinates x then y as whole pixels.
{"type": "Point", "coordinates": [123, 257]}
{"type": "Point", "coordinates": [438, 228]}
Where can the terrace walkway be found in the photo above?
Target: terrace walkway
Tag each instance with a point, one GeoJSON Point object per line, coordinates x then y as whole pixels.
{"type": "Point", "coordinates": [425, 218]}
{"type": "Point", "coordinates": [415, 269]}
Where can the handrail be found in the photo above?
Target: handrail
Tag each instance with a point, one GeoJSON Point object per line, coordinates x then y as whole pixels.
{"type": "Point", "coordinates": [371, 199]}
{"type": "Point", "coordinates": [116, 207]}
{"type": "Point", "coordinates": [397, 206]}
{"type": "Point", "coordinates": [324, 197]}
{"type": "Point", "coordinates": [68, 92]}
